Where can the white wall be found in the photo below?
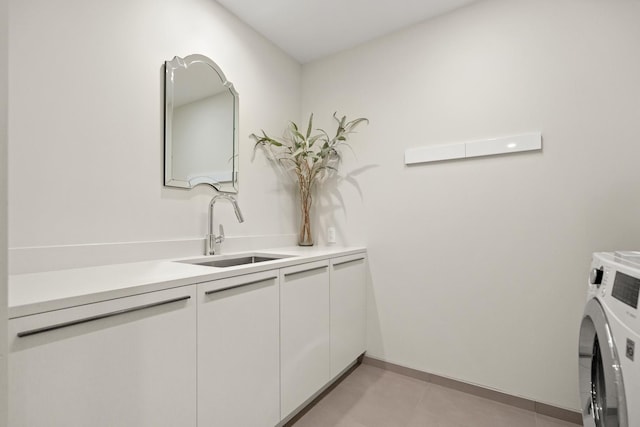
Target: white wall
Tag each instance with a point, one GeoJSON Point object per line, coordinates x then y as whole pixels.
{"type": "Point", "coordinates": [3, 209]}
{"type": "Point", "coordinates": [479, 266]}
{"type": "Point", "coordinates": [86, 121]}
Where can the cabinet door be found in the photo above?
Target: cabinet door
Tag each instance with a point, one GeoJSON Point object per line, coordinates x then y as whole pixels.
{"type": "Point", "coordinates": [304, 332]}
{"type": "Point", "coordinates": [128, 362]}
{"type": "Point", "coordinates": [348, 310]}
{"type": "Point", "coordinates": [238, 351]}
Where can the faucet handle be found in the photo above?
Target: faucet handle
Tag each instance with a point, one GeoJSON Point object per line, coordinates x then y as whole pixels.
{"type": "Point", "coordinates": [220, 238]}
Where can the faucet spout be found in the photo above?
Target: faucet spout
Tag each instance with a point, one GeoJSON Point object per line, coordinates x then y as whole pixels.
{"type": "Point", "coordinates": [212, 242]}
{"type": "Point", "coordinates": [236, 208]}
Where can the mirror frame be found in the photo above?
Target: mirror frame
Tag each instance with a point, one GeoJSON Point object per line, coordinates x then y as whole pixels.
{"type": "Point", "coordinates": [169, 180]}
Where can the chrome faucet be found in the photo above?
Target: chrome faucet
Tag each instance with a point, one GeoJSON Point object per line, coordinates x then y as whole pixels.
{"type": "Point", "coordinates": [212, 242]}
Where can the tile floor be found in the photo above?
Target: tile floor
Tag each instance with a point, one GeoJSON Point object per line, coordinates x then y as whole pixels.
{"type": "Point", "coordinates": [373, 397]}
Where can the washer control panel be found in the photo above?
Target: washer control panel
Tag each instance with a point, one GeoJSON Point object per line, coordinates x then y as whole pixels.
{"type": "Point", "coordinates": [619, 289]}
{"type": "Point", "coordinates": [626, 289]}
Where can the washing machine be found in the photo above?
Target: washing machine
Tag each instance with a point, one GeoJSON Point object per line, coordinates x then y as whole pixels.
{"type": "Point", "coordinates": [609, 335]}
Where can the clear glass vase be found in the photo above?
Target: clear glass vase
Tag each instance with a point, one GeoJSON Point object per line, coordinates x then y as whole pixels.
{"type": "Point", "coordinates": [305, 238]}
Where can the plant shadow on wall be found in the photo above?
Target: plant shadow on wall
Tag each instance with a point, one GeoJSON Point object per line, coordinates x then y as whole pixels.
{"type": "Point", "coordinates": [309, 160]}
{"type": "Point", "coordinates": [331, 199]}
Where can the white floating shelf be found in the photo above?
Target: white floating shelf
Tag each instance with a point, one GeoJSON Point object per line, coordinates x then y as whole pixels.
{"type": "Point", "coordinates": [463, 150]}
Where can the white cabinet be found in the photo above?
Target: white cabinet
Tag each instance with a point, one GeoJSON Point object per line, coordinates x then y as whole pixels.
{"type": "Point", "coordinates": [238, 351]}
{"type": "Point", "coordinates": [243, 351]}
{"type": "Point", "coordinates": [304, 333]}
{"type": "Point", "coordinates": [128, 362]}
{"type": "Point", "coordinates": [348, 310]}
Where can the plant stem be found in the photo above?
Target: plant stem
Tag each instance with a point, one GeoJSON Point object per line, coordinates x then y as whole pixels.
{"type": "Point", "coordinates": [304, 187]}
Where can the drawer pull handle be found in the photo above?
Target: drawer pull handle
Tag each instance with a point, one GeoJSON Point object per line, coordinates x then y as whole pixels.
{"type": "Point", "coordinates": [335, 264]}
{"type": "Point", "coordinates": [215, 291]}
{"type": "Point", "coordinates": [306, 271]}
{"type": "Point", "coordinates": [98, 317]}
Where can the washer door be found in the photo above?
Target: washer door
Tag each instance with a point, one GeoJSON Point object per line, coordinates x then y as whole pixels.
{"type": "Point", "coordinates": [601, 386]}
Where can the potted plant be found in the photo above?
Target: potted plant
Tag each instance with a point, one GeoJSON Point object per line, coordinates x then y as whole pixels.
{"type": "Point", "coordinates": [309, 158]}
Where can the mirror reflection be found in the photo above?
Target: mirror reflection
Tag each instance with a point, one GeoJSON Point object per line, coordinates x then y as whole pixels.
{"type": "Point", "coordinates": [201, 118]}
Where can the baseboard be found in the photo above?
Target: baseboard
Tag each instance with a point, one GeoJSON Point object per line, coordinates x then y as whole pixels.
{"type": "Point", "coordinates": [497, 396]}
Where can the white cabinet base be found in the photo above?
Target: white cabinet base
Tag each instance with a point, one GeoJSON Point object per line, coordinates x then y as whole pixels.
{"type": "Point", "coordinates": [348, 310]}
{"type": "Point", "coordinates": [304, 333]}
{"type": "Point", "coordinates": [129, 369]}
{"type": "Point", "coordinates": [238, 348]}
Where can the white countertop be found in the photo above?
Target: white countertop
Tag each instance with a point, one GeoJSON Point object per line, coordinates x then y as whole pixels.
{"type": "Point", "coordinates": [40, 292]}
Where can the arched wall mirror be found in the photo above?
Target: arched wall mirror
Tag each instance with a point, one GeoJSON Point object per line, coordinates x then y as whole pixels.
{"type": "Point", "coordinates": [201, 125]}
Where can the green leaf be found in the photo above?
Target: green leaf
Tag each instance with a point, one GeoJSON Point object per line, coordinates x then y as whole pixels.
{"type": "Point", "coordinates": [299, 135]}
{"type": "Point", "coordinates": [313, 139]}
{"type": "Point", "coordinates": [356, 122]}
{"type": "Point", "coordinates": [310, 126]}
{"type": "Point", "coordinates": [325, 135]}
